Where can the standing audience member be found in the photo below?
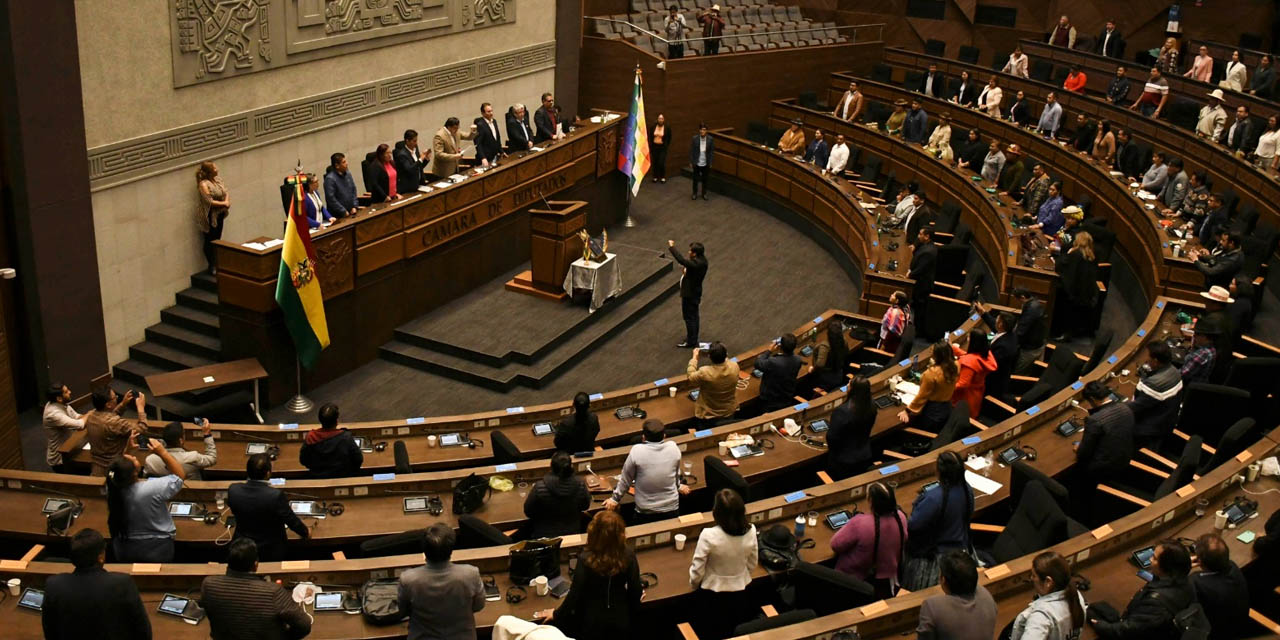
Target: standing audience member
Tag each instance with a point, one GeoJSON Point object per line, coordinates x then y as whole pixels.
{"type": "Point", "coordinates": [989, 99]}
{"type": "Point", "coordinates": [897, 120]}
{"type": "Point", "coordinates": [410, 161]}
{"type": "Point", "coordinates": [1199, 362]}
{"type": "Point", "coordinates": [1082, 138]}
{"type": "Point", "coordinates": [695, 271]}
{"type": "Point", "coordinates": [1050, 117]}
{"type": "Point", "coordinates": [1155, 402]}
{"type": "Point", "coordinates": [722, 564]}
{"type": "Point", "coordinates": [870, 546]}
{"type": "Point", "coordinates": [1212, 116]}
{"type": "Point", "coordinates": [1202, 67]}
{"type": "Point", "coordinates": [779, 371]}
{"type": "Point", "coordinates": [838, 158]}
{"type": "Point", "coordinates": [488, 138]}
{"type": "Point", "coordinates": [1104, 145]}
{"type": "Point", "coordinates": [712, 29]}
{"type": "Point", "coordinates": [702, 151]}
{"type": "Point", "coordinates": [1128, 159]}
{"type": "Point", "coordinates": [215, 206]}
{"type": "Point", "coordinates": [1221, 589]}
{"type": "Point", "coordinates": [1109, 42]}
{"type": "Point", "coordinates": [441, 598]}
{"type": "Point", "coordinates": [932, 83]}
{"type": "Point", "coordinates": [192, 461]}
{"type": "Point", "coordinates": [1017, 64]}
{"type": "Point", "coordinates": [966, 92]}
{"type": "Point", "coordinates": [941, 135]}
{"type": "Point", "coordinates": [1077, 284]}
{"type": "Point", "coordinates": [1264, 79]}
{"type": "Point", "coordinates": [675, 27]}
{"type": "Point", "coordinates": [1020, 110]}
{"type": "Point", "coordinates": [519, 132]}
{"type": "Point", "coordinates": [894, 322]}
{"type": "Point", "coordinates": [1167, 57]}
{"type": "Point", "coordinates": [849, 435]}
{"type": "Point", "coordinates": [850, 105]}
{"type": "Point", "coordinates": [1049, 218]}
{"type": "Point", "coordinates": [831, 358]}
{"type": "Point", "coordinates": [262, 511]}
{"type": "Point", "coordinates": [1236, 76]}
{"type": "Point", "coordinates": [577, 432]}
{"type": "Point", "coordinates": [1107, 445]}
{"type": "Point", "coordinates": [817, 152]}
{"type": "Point", "coordinates": [447, 144]}
{"type": "Point", "coordinates": [604, 598]}
{"type": "Point", "coordinates": [1014, 169]}
{"type": "Point", "coordinates": [58, 420]}
{"type": "Point", "coordinates": [242, 605]}
{"type": "Point", "coordinates": [107, 431]}
{"type": "Point", "coordinates": [915, 127]}
{"type": "Point", "coordinates": [653, 468]}
{"type": "Point", "coordinates": [993, 163]}
{"type": "Point", "coordinates": [1151, 611]}
{"type": "Point", "coordinates": [547, 120]}
{"type": "Point", "coordinates": [1264, 153]}
{"type": "Point", "coordinates": [931, 407]}
{"type": "Point", "coordinates": [717, 386]}
{"type": "Point", "coordinates": [975, 364]}
{"type": "Point", "coordinates": [138, 509]}
{"type": "Point", "coordinates": [1118, 90]}
{"type": "Point", "coordinates": [1238, 137]}
{"type": "Point", "coordinates": [555, 505]}
{"type": "Point", "coordinates": [384, 179]}
{"type": "Point", "coordinates": [1004, 348]}
{"type": "Point", "coordinates": [923, 270]}
{"type": "Point", "coordinates": [313, 209]}
{"type": "Point", "coordinates": [91, 602]}
{"type": "Point", "coordinates": [1031, 330]}
{"type": "Point", "coordinates": [1155, 93]}
{"type": "Point", "coordinates": [938, 522]}
{"type": "Point", "coordinates": [659, 142]}
{"type": "Point", "coordinates": [330, 452]}
{"type": "Point", "coordinates": [965, 610]}
{"type": "Point", "coordinates": [1063, 34]}
{"type": "Point", "coordinates": [974, 152]}
{"type": "Point", "coordinates": [1055, 612]}
{"type": "Point", "coordinates": [340, 188]}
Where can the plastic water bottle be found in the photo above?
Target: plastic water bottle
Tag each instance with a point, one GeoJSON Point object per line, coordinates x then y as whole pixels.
{"type": "Point", "coordinates": [991, 462]}
{"type": "Point", "coordinates": [800, 525]}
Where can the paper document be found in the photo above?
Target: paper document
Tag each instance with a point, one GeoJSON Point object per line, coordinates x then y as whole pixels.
{"type": "Point", "coordinates": [256, 246]}
{"type": "Point", "coordinates": [274, 242]}
{"type": "Point", "coordinates": [533, 149]}
{"type": "Point", "coordinates": [425, 189]}
{"type": "Point", "coordinates": [457, 177]}
{"type": "Point", "coordinates": [977, 463]}
{"type": "Point", "coordinates": [442, 185]}
{"type": "Point", "coordinates": [981, 484]}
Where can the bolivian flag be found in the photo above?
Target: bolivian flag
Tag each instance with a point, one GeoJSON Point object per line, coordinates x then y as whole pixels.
{"type": "Point", "coordinates": [298, 288]}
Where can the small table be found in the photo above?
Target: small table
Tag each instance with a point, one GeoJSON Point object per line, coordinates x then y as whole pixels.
{"type": "Point", "coordinates": [209, 377]}
{"type": "Point", "coordinates": [602, 278]}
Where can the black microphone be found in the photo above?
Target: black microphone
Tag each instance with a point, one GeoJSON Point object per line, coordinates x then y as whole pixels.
{"type": "Point", "coordinates": [402, 457]}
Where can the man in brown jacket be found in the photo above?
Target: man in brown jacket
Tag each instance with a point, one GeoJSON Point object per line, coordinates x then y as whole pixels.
{"type": "Point", "coordinates": [717, 387]}
{"type": "Point", "coordinates": [447, 145]}
{"type": "Point", "coordinates": [107, 431]}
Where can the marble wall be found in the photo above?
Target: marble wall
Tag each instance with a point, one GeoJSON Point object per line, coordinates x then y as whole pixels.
{"type": "Point", "coordinates": [142, 149]}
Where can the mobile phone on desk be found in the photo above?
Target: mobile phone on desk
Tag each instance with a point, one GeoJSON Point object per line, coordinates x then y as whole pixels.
{"type": "Point", "coordinates": [1146, 576]}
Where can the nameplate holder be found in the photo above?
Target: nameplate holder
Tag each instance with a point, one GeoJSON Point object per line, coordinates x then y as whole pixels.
{"type": "Point", "coordinates": [503, 468]}
{"type": "Point", "coordinates": [971, 440]}
{"type": "Point", "coordinates": [515, 410]}
{"type": "Point", "coordinates": [288, 426]}
{"type": "Point", "coordinates": [415, 420]}
{"type": "Point", "coordinates": [974, 317]}
{"type": "Point", "coordinates": [794, 496]}
{"type": "Point", "coordinates": [1033, 410]}
{"type": "Point", "coordinates": [1102, 532]}
{"type": "Point", "coordinates": [884, 471]}
{"type": "Point", "coordinates": [874, 608]}
{"type": "Point", "coordinates": [384, 476]}
{"type": "Point", "coordinates": [1244, 456]}
{"type": "Point", "coordinates": [1160, 305]}
{"type": "Point", "coordinates": [1077, 385]}
{"type": "Point", "coordinates": [1113, 360]}
{"type": "Point", "coordinates": [997, 571]}
{"type": "Point", "coordinates": [1185, 490]}
{"type": "Point", "coordinates": [149, 567]}
{"type": "Point", "coordinates": [661, 382]}
{"type": "Point", "coordinates": [295, 565]}
{"type": "Point", "coordinates": [904, 362]}
{"type": "Point", "coordinates": [596, 396]}
{"type": "Point", "coordinates": [692, 518]}
{"type": "Point", "coordinates": [1142, 332]}
{"type": "Point", "coordinates": [801, 407]}
{"type": "Point", "coordinates": [817, 320]}
{"type": "Point", "coordinates": [701, 433]}
{"type": "Point", "coordinates": [276, 482]}
{"type": "Point", "coordinates": [13, 565]}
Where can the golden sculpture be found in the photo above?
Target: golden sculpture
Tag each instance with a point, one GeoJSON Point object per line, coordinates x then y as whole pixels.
{"type": "Point", "coordinates": [594, 249]}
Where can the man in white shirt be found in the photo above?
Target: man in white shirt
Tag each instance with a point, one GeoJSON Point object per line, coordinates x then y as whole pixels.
{"type": "Point", "coordinates": [908, 202]}
{"type": "Point", "coordinates": [839, 157]}
{"type": "Point", "coordinates": [192, 462]}
{"type": "Point", "coordinates": [850, 105]}
{"type": "Point", "coordinates": [58, 421]}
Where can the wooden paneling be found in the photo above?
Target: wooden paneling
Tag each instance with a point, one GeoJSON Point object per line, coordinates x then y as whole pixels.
{"type": "Point", "coordinates": [10, 439]}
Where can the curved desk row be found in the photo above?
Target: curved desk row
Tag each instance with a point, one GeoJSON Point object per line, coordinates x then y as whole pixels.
{"type": "Point", "coordinates": [986, 214]}
{"type": "Point", "coordinates": [1223, 169]}
{"type": "Point", "coordinates": [1138, 235]}
{"type": "Point", "coordinates": [653, 541]}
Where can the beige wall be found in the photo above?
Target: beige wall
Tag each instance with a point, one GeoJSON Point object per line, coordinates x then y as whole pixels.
{"type": "Point", "coordinates": [148, 246]}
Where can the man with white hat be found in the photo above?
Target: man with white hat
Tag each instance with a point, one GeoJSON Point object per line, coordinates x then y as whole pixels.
{"type": "Point", "coordinates": [1212, 116]}
{"type": "Point", "coordinates": [1216, 300]}
{"type": "Point", "coordinates": [712, 29]}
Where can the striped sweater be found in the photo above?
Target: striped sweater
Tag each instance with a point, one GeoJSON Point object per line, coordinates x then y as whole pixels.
{"type": "Point", "coordinates": [244, 606]}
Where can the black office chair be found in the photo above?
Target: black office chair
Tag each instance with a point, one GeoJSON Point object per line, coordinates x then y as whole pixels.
{"type": "Point", "coordinates": [952, 260]}
{"type": "Point", "coordinates": [1041, 70]}
{"type": "Point", "coordinates": [402, 457]}
{"type": "Point", "coordinates": [827, 591]}
{"type": "Point", "coordinates": [912, 80]}
{"type": "Point", "coordinates": [1060, 75]}
{"type": "Point", "coordinates": [1207, 409]}
{"type": "Point", "coordinates": [781, 620]}
{"type": "Point", "coordinates": [474, 533]}
{"type": "Point", "coordinates": [948, 217]}
{"type": "Point", "coordinates": [1064, 368]}
{"type": "Point", "coordinates": [1250, 41]}
{"type": "Point", "coordinates": [971, 289]}
{"type": "Point", "coordinates": [968, 54]}
{"type": "Point", "coordinates": [1101, 344]}
{"type": "Point", "coordinates": [504, 450]}
{"type": "Point", "coordinates": [1261, 378]}
{"type": "Point", "coordinates": [395, 544]}
{"type": "Point", "coordinates": [1022, 474]}
{"type": "Point", "coordinates": [882, 73]}
{"type": "Point", "coordinates": [954, 428]}
{"type": "Point", "coordinates": [1237, 438]}
{"type": "Point", "coordinates": [1188, 462]}
{"type": "Point", "coordinates": [963, 234]}
{"type": "Point", "coordinates": [936, 48]}
{"type": "Point", "coordinates": [1037, 523]}
{"type": "Point", "coordinates": [808, 99]}
{"type": "Point", "coordinates": [720, 476]}
{"type": "Point", "coordinates": [905, 347]}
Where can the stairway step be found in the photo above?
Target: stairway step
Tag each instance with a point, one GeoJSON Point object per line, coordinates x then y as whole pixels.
{"type": "Point", "coordinates": [200, 299]}
{"type": "Point", "coordinates": [205, 280]}
{"type": "Point", "coordinates": [193, 319]}
{"type": "Point", "coordinates": [167, 357]}
{"type": "Point", "coordinates": [183, 339]}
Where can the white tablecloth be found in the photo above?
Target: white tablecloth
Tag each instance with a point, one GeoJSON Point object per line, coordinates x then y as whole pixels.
{"type": "Point", "coordinates": [603, 279]}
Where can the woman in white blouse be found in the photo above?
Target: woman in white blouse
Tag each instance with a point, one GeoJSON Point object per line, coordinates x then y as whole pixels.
{"type": "Point", "coordinates": [1237, 74]}
{"type": "Point", "coordinates": [989, 99]}
{"type": "Point", "coordinates": [941, 134]}
{"type": "Point", "coordinates": [1265, 154]}
{"type": "Point", "coordinates": [722, 564]}
{"type": "Point", "coordinates": [1017, 64]}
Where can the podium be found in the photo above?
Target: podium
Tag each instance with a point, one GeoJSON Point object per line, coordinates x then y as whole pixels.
{"type": "Point", "coordinates": [554, 245]}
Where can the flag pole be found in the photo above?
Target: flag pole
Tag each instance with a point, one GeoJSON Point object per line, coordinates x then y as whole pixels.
{"type": "Point", "coordinates": [629, 222]}
{"type": "Point", "coordinates": [299, 403]}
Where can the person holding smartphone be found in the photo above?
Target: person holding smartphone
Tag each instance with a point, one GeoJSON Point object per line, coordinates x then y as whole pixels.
{"type": "Point", "coordinates": [138, 508]}
{"type": "Point", "coordinates": [107, 430]}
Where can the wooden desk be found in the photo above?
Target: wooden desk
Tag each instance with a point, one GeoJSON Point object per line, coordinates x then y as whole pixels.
{"type": "Point", "coordinates": [474, 231]}
{"type": "Point", "coordinates": [208, 377]}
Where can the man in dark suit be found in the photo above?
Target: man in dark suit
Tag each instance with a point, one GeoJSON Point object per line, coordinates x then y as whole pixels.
{"type": "Point", "coordinates": [1110, 43]}
{"type": "Point", "coordinates": [1238, 136]}
{"type": "Point", "coordinates": [409, 161]}
{"type": "Point", "coordinates": [1031, 329]}
{"type": "Point", "coordinates": [262, 511]}
{"type": "Point", "coordinates": [1128, 156]}
{"type": "Point", "coordinates": [702, 150]}
{"type": "Point", "coordinates": [695, 270]}
{"type": "Point", "coordinates": [1107, 445]}
{"type": "Point", "coordinates": [519, 133]}
{"type": "Point", "coordinates": [778, 382]}
{"type": "Point", "coordinates": [933, 83]}
{"type": "Point", "coordinates": [488, 139]}
{"type": "Point", "coordinates": [1221, 589]}
{"type": "Point", "coordinates": [1004, 347]}
{"type": "Point", "coordinates": [1221, 267]}
{"type": "Point", "coordinates": [91, 602]}
{"type": "Point", "coordinates": [546, 120]}
{"type": "Point", "coordinates": [924, 265]}
{"type": "Point", "coordinates": [817, 151]}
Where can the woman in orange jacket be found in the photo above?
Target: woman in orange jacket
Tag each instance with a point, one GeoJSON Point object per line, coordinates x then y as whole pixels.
{"type": "Point", "coordinates": [974, 367]}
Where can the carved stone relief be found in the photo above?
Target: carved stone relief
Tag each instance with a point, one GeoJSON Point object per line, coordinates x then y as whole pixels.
{"type": "Point", "coordinates": [216, 39]}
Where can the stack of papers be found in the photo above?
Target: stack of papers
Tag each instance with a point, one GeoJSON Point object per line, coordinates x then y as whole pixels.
{"type": "Point", "coordinates": [977, 463]}
{"type": "Point", "coordinates": [442, 185]}
{"type": "Point", "coordinates": [907, 391]}
{"type": "Point", "coordinates": [533, 149]}
{"type": "Point", "coordinates": [456, 178]}
{"type": "Point", "coordinates": [425, 189]}
{"type": "Point", "coordinates": [983, 485]}
{"type": "Point", "coordinates": [274, 242]}
{"type": "Point", "coordinates": [256, 246]}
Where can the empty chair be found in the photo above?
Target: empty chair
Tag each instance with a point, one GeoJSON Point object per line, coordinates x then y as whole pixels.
{"type": "Point", "coordinates": [1207, 409]}
{"type": "Point", "coordinates": [832, 33]}
{"type": "Point", "coordinates": [763, 41]}
{"type": "Point", "coordinates": [1037, 523]}
{"type": "Point", "coordinates": [934, 48]}
{"type": "Point", "coordinates": [911, 80]}
{"type": "Point", "coordinates": [957, 424]}
{"type": "Point", "coordinates": [656, 23]}
{"type": "Point", "coordinates": [871, 170]}
{"type": "Point", "coordinates": [504, 450]}
{"type": "Point", "coordinates": [947, 217]}
{"type": "Point", "coordinates": [881, 73]}
{"type": "Point", "coordinates": [952, 260]}
{"type": "Point", "coordinates": [1041, 70]}
{"type": "Point", "coordinates": [1101, 344]}
{"type": "Point", "coordinates": [736, 16]}
{"type": "Point", "coordinates": [621, 27]}
{"type": "Point", "coordinates": [719, 476]}
{"type": "Point", "coordinates": [702, 4]}
{"type": "Point", "coordinates": [639, 6]}
{"type": "Point", "coordinates": [475, 533]}
{"type": "Point", "coordinates": [793, 13]}
{"type": "Point", "coordinates": [794, 616]}
{"type": "Point", "coordinates": [401, 453]}
{"type": "Point", "coordinates": [828, 591]}
{"type": "Point", "coordinates": [780, 15]}
{"type": "Point", "coordinates": [1188, 462]}
{"type": "Point", "coordinates": [658, 6]}
{"type": "Point", "coordinates": [751, 15]}
{"type": "Point", "coordinates": [1064, 368]}
{"type": "Point", "coordinates": [968, 54]}
{"type": "Point", "coordinates": [1236, 439]}
{"type": "Point", "coordinates": [1250, 41]}
{"type": "Point", "coordinates": [396, 544]}
{"type": "Point", "coordinates": [1261, 378]}
{"type": "Point", "coordinates": [809, 100]}
{"type": "Point", "coordinates": [779, 42]}
{"type": "Point", "coordinates": [1059, 76]}
{"type": "Point", "coordinates": [1022, 474]}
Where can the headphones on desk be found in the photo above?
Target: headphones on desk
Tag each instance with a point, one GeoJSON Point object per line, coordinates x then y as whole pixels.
{"type": "Point", "coordinates": [380, 446]}
{"type": "Point", "coordinates": [335, 509]}
{"type": "Point", "coordinates": [516, 594]}
{"type": "Point", "coordinates": [648, 580]}
{"type": "Point", "coordinates": [1031, 452]}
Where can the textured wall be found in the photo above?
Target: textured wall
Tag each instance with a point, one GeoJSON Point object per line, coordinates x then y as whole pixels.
{"type": "Point", "coordinates": [147, 242]}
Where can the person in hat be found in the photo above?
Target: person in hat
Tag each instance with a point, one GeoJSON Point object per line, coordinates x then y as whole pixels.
{"type": "Point", "coordinates": [1010, 182]}
{"type": "Point", "coordinates": [1065, 238]}
{"type": "Point", "coordinates": [897, 119]}
{"type": "Point", "coordinates": [1216, 300]}
{"type": "Point", "coordinates": [1212, 116]}
{"type": "Point", "coordinates": [939, 143]}
{"type": "Point", "coordinates": [712, 29]}
{"type": "Point", "coordinates": [1199, 362]}
{"type": "Point", "coordinates": [850, 105]}
{"type": "Point", "coordinates": [792, 142]}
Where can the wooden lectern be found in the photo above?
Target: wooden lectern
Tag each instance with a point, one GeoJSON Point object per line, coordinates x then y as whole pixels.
{"type": "Point", "coordinates": [555, 245]}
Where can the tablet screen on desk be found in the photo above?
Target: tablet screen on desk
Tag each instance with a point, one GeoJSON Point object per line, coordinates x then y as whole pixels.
{"type": "Point", "coordinates": [415, 504]}
{"type": "Point", "coordinates": [254, 448]}
{"type": "Point", "coordinates": [173, 605]}
{"type": "Point", "coordinates": [330, 601]}
{"type": "Point", "coordinates": [32, 599]}
{"type": "Point", "coordinates": [53, 504]}
{"type": "Point", "coordinates": [450, 440]}
{"type": "Point", "coordinates": [542, 429]}
{"type": "Point", "coordinates": [363, 443]}
{"type": "Point", "coordinates": [818, 426]}
{"type": "Point", "coordinates": [180, 508]}
{"type": "Point", "coordinates": [304, 507]}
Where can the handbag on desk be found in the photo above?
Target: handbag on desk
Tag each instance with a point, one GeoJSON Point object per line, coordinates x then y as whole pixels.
{"type": "Point", "coordinates": [532, 558]}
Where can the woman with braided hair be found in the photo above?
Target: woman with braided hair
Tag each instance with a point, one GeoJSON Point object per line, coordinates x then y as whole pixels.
{"type": "Point", "coordinates": [870, 546]}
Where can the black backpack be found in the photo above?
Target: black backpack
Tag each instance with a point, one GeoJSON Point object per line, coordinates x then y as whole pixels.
{"type": "Point", "coordinates": [470, 494]}
{"type": "Point", "coordinates": [380, 601]}
{"type": "Point", "coordinates": [779, 549]}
